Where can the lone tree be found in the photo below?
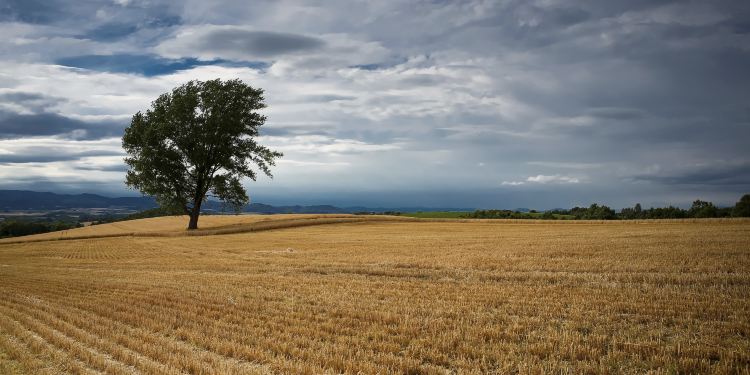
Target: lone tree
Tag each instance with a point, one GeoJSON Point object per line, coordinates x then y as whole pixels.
{"type": "Point", "coordinates": [197, 141]}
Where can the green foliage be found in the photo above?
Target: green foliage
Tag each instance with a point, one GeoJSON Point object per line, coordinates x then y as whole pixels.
{"type": "Point", "coordinates": [390, 213]}
{"type": "Point", "coordinates": [499, 214]}
{"type": "Point", "coordinates": [636, 212]}
{"type": "Point", "coordinates": [742, 207]}
{"type": "Point", "coordinates": [593, 212]}
{"type": "Point", "coordinates": [153, 212]}
{"type": "Point", "coordinates": [631, 213]}
{"type": "Point", "coordinates": [198, 140]}
{"type": "Point", "coordinates": [664, 213]}
{"type": "Point", "coordinates": [437, 214]}
{"type": "Point", "coordinates": [510, 214]}
{"type": "Point", "coordinates": [702, 209]}
{"type": "Point", "coordinates": [699, 209]}
{"type": "Point", "coordinates": [15, 228]}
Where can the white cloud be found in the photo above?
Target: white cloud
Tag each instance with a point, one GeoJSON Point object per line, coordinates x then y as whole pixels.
{"type": "Point", "coordinates": [544, 179]}
{"type": "Point", "coordinates": [61, 160]}
{"type": "Point", "coordinates": [306, 163]}
{"type": "Point", "coordinates": [26, 43]}
{"type": "Point", "coordinates": [322, 145]}
{"type": "Point", "coordinates": [552, 179]}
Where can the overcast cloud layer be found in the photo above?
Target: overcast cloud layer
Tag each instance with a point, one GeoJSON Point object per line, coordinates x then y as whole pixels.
{"type": "Point", "coordinates": [502, 104]}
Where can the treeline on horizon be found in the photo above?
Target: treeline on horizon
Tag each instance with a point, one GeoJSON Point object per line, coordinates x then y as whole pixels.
{"type": "Point", "coordinates": [16, 228]}
{"type": "Point", "coordinates": [699, 209]}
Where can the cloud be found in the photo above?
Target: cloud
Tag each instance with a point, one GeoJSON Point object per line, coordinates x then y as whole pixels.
{"type": "Point", "coordinates": [211, 42]}
{"type": "Point", "coordinates": [133, 24]}
{"type": "Point", "coordinates": [328, 98]}
{"type": "Point", "coordinates": [567, 165]}
{"type": "Point", "coordinates": [14, 125]}
{"type": "Point", "coordinates": [26, 43]}
{"type": "Point", "coordinates": [544, 179]}
{"type": "Point", "coordinates": [120, 167]}
{"type": "Point", "coordinates": [717, 173]}
{"type": "Point", "coordinates": [110, 32]}
{"type": "Point", "coordinates": [290, 54]}
{"type": "Point", "coordinates": [30, 11]}
{"type": "Point", "coordinates": [27, 102]}
{"type": "Point", "coordinates": [46, 155]}
{"type": "Point", "coordinates": [614, 113]}
{"type": "Point", "coordinates": [58, 154]}
{"type": "Point", "coordinates": [102, 15]}
{"type": "Point", "coordinates": [319, 144]}
{"type": "Point", "coordinates": [148, 65]}
{"type": "Point", "coordinates": [544, 90]}
{"type": "Point", "coordinates": [552, 179]}
{"type": "Point", "coordinates": [306, 164]}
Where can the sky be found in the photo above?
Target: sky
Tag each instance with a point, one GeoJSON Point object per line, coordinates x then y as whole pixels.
{"type": "Point", "coordinates": [479, 104]}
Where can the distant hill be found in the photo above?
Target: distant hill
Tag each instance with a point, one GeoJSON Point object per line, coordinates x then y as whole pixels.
{"type": "Point", "coordinates": [32, 200]}
{"type": "Point", "coordinates": [24, 200]}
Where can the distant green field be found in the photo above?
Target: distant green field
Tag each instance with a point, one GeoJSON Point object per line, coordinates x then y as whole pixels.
{"type": "Point", "coordinates": [438, 214]}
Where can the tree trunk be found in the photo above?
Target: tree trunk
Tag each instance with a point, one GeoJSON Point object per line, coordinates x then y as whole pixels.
{"type": "Point", "coordinates": [194, 214]}
{"type": "Point", "coordinates": [193, 224]}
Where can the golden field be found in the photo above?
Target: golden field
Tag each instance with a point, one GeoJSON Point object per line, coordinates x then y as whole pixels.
{"type": "Point", "coordinates": [171, 226]}
{"type": "Point", "coordinates": [376, 295]}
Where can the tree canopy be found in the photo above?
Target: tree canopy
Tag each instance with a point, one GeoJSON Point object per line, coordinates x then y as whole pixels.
{"type": "Point", "coordinates": [742, 208]}
{"type": "Point", "coordinates": [197, 141]}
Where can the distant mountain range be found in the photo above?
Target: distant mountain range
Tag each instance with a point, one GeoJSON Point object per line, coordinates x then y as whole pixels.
{"type": "Point", "coordinates": [24, 200]}
{"type": "Point", "coordinates": [32, 200]}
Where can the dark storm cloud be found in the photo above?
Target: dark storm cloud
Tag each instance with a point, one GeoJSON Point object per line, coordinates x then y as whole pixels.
{"type": "Point", "coordinates": [615, 139]}
{"type": "Point", "coordinates": [148, 65]}
{"type": "Point", "coordinates": [13, 125]}
{"type": "Point", "coordinates": [616, 113]}
{"type": "Point", "coordinates": [671, 84]}
{"type": "Point", "coordinates": [738, 25]}
{"type": "Point", "coordinates": [718, 174]}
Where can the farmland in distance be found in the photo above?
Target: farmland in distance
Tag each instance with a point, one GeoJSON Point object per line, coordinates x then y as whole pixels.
{"type": "Point", "coordinates": [379, 295]}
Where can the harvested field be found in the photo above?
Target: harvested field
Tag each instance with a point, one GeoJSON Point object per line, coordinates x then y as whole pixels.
{"type": "Point", "coordinates": [170, 226]}
{"type": "Point", "coordinates": [383, 297]}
